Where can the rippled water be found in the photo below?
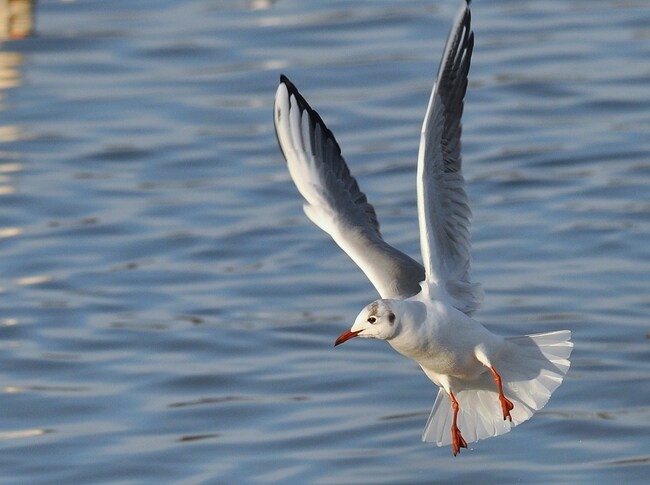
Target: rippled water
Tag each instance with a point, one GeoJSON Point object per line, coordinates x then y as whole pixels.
{"type": "Point", "coordinates": [167, 312]}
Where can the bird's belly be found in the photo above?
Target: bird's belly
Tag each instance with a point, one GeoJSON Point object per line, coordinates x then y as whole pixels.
{"type": "Point", "coordinates": [439, 359]}
{"type": "Point", "coordinates": [462, 365]}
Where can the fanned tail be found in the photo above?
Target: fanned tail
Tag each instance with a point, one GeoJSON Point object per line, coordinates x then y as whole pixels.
{"type": "Point", "coordinates": [531, 368]}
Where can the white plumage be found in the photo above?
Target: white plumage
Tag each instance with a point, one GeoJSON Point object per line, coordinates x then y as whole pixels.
{"type": "Point", "coordinates": [488, 383]}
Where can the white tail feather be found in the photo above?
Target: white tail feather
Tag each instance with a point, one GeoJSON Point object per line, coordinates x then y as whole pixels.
{"type": "Point", "coordinates": [531, 368]}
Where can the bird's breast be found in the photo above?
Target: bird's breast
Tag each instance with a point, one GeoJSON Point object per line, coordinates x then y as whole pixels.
{"type": "Point", "coordinates": [443, 342]}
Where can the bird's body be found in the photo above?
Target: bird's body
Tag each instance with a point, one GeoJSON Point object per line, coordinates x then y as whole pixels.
{"type": "Point", "coordinates": [487, 383]}
{"type": "Point", "coordinates": [441, 339]}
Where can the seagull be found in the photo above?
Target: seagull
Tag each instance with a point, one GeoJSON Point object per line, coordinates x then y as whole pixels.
{"type": "Point", "coordinates": [487, 383]}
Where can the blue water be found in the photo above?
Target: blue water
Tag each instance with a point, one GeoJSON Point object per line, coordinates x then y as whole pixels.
{"type": "Point", "coordinates": [167, 312]}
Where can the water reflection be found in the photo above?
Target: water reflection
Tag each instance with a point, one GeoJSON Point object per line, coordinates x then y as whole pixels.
{"type": "Point", "coordinates": [244, 5]}
{"type": "Point", "coordinates": [15, 22]}
{"type": "Point", "coordinates": [23, 433]}
{"type": "Point", "coordinates": [16, 19]}
{"type": "Point", "coordinates": [9, 73]}
{"type": "Point", "coordinates": [260, 4]}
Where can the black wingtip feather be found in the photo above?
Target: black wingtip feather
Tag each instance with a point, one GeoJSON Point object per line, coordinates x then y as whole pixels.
{"type": "Point", "coordinates": [313, 114]}
{"type": "Point", "coordinates": [340, 169]}
{"type": "Point", "coordinates": [285, 80]}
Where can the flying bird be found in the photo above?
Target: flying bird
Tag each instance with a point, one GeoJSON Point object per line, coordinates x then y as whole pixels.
{"type": "Point", "coordinates": [487, 383]}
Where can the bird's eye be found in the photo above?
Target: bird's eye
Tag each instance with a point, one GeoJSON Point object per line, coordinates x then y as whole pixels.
{"type": "Point", "coordinates": [372, 320]}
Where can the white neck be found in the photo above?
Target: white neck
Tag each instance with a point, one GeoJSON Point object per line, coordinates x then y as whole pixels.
{"type": "Point", "coordinates": [412, 326]}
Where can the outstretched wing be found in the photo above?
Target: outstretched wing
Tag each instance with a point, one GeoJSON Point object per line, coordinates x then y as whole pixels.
{"type": "Point", "coordinates": [443, 207]}
{"type": "Point", "coordinates": [333, 200]}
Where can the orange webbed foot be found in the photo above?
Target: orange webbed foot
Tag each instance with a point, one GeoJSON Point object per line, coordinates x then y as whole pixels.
{"type": "Point", "coordinates": [506, 404]}
{"type": "Point", "coordinates": [457, 440]}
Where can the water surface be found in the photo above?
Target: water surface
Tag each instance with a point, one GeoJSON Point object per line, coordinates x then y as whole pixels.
{"type": "Point", "coordinates": [167, 312]}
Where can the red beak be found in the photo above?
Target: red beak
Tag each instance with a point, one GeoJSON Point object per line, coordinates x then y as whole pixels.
{"type": "Point", "coordinates": [345, 336]}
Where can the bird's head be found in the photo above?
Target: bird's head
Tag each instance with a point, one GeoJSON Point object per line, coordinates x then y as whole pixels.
{"type": "Point", "coordinates": [377, 320]}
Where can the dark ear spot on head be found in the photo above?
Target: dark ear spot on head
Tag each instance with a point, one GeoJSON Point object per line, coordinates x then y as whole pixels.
{"type": "Point", "coordinates": [391, 317]}
{"type": "Point", "coordinates": [373, 308]}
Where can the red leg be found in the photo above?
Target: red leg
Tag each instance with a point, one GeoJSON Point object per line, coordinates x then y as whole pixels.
{"type": "Point", "coordinates": [457, 440]}
{"type": "Point", "coordinates": [506, 404]}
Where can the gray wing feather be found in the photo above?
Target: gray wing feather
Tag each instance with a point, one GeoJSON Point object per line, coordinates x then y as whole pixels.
{"type": "Point", "coordinates": [443, 206]}
{"type": "Point", "coordinates": [333, 199]}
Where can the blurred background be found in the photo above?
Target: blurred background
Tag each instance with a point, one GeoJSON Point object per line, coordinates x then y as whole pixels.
{"type": "Point", "coordinates": [167, 312]}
